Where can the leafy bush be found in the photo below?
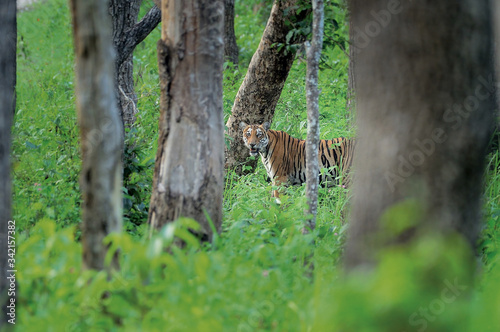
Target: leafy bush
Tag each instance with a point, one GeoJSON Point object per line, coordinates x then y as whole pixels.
{"type": "Point", "coordinates": [137, 179]}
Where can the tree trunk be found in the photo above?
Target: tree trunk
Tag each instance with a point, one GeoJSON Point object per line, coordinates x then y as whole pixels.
{"type": "Point", "coordinates": [496, 50]}
{"type": "Point", "coordinates": [312, 96]}
{"type": "Point", "coordinates": [7, 106]}
{"type": "Point", "coordinates": [424, 119]}
{"type": "Point", "coordinates": [351, 79]}
{"type": "Point", "coordinates": [100, 128]}
{"type": "Point", "coordinates": [230, 46]}
{"type": "Point", "coordinates": [188, 177]}
{"type": "Point", "coordinates": [260, 91]}
{"type": "Point", "coordinates": [124, 14]}
{"type": "Point", "coordinates": [127, 34]}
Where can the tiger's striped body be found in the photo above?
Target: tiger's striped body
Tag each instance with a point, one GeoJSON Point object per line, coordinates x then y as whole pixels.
{"type": "Point", "coordinates": [284, 156]}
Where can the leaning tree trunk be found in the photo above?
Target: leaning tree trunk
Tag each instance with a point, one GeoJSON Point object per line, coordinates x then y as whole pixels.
{"type": "Point", "coordinates": [260, 91]}
{"type": "Point", "coordinates": [7, 107]}
{"type": "Point", "coordinates": [188, 176]}
{"type": "Point", "coordinates": [100, 128]}
{"type": "Point", "coordinates": [127, 34]}
{"type": "Point", "coordinates": [230, 46]}
{"type": "Point", "coordinates": [312, 96]}
{"type": "Point", "coordinates": [424, 120]}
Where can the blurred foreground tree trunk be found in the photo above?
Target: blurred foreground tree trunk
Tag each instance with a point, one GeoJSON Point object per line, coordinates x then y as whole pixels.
{"type": "Point", "coordinates": [426, 106]}
{"type": "Point", "coordinates": [8, 42]}
{"type": "Point", "coordinates": [188, 176]}
{"type": "Point", "coordinates": [230, 47]}
{"type": "Point", "coordinates": [312, 96]}
{"type": "Point", "coordinates": [100, 128]}
{"type": "Point", "coordinates": [260, 91]}
{"type": "Point", "coordinates": [127, 34]}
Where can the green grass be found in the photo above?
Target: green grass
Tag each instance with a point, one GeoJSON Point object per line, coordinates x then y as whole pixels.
{"type": "Point", "coordinates": [46, 159]}
{"type": "Point", "coordinates": [261, 273]}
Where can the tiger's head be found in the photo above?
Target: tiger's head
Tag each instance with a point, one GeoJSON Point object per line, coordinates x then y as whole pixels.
{"type": "Point", "coordinates": [255, 137]}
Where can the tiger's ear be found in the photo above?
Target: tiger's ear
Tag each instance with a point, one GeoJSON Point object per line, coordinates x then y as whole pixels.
{"type": "Point", "coordinates": [266, 126]}
{"type": "Point", "coordinates": [242, 125]}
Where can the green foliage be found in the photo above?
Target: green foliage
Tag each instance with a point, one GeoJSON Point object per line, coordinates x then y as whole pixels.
{"type": "Point", "coordinates": [233, 78]}
{"type": "Point", "coordinates": [336, 32]}
{"type": "Point", "coordinates": [420, 286]}
{"type": "Point", "coordinates": [490, 240]}
{"type": "Point", "coordinates": [137, 177]}
{"type": "Point", "coordinates": [291, 115]}
{"type": "Point", "coordinates": [245, 284]}
{"type": "Point", "coordinates": [261, 273]}
{"type": "Point", "coordinates": [249, 23]}
{"type": "Point", "coordinates": [46, 160]}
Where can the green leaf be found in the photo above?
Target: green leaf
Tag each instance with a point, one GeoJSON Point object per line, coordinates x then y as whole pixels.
{"type": "Point", "coordinates": [31, 145]}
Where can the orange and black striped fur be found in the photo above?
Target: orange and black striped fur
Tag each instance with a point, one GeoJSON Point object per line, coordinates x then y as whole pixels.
{"type": "Point", "coordinates": [285, 159]}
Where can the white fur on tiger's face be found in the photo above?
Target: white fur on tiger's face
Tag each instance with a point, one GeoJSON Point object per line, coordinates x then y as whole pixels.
{"type": "Point", "coordinates": [255, 137]}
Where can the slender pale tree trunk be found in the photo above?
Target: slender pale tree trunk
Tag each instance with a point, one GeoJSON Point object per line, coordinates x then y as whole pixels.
{"type": "Point", "coordinates": [188, 177]}
{"type": "Point", "coordinates": [426, 106]}
{"type": "Point", "coordinates": [100, 128]}
{"type": "Point", "coordinates": [230, 47]}
{"type": "Point", "coordinates": [260, 91]}
{"type": "Point", "coordinates": [7, 106]}
{"type": "Point", "coordinates": [351, 78]}
{"type": "Point", "coordinates": [127, 34]}
{"type": "Point", "coordinates": [312, 96]}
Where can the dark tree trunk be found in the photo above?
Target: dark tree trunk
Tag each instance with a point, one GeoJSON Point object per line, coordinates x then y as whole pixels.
{"type": "Point", "coordinates": [230, 46]}
{"type": "Point", "coordinates": [188, 177]}
{"type": "Point", "coordinates": [312, 96]}
{"type": "Point", "coordinates": [124, 14]}
{"type": "Point", "coordinates": [127, 34]}
{"type": "Point", "coordinates": [8, 42]}
{"type": "Point", "coordinates": [100, 129]}
{"type": "Point", "coordinates": [260, 91]}
{"type": "Point", "coordinates": [426, 106]}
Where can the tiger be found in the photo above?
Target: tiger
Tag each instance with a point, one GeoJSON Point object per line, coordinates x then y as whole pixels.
{"type": "Point", "coordinates": [284, 156]}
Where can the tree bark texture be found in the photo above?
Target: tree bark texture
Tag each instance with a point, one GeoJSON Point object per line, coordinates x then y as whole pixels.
{"type": "Point", "coordinates": [351, 78]}
{"type": "Point", "coordinates": [127, 34]}
{"type": "Point", "coordinates": [188, 176]}
{"type": "Point", "coordinates": [230, 47]}
{"type": "Point", "coordinates": [426, 106]}
{"type": "Point", "coordinates": [8, 29]}
{"type": "Point", "coordinates": [100, 128]}
{"type": "Point", "coordinates": [312, 96]}
{"type": "Point", "coordinates": [260, 91]}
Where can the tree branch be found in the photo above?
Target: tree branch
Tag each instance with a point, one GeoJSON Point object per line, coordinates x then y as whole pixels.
{"type": "Point", "coordinates": [137, 34]}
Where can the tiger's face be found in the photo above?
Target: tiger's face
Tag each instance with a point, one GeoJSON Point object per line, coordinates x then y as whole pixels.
{"type": "Point", "coordinates": [255, 137]}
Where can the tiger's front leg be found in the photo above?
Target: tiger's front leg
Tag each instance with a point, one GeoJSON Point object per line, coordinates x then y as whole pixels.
{"type": "Point", "coordinates": [278, 181]}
